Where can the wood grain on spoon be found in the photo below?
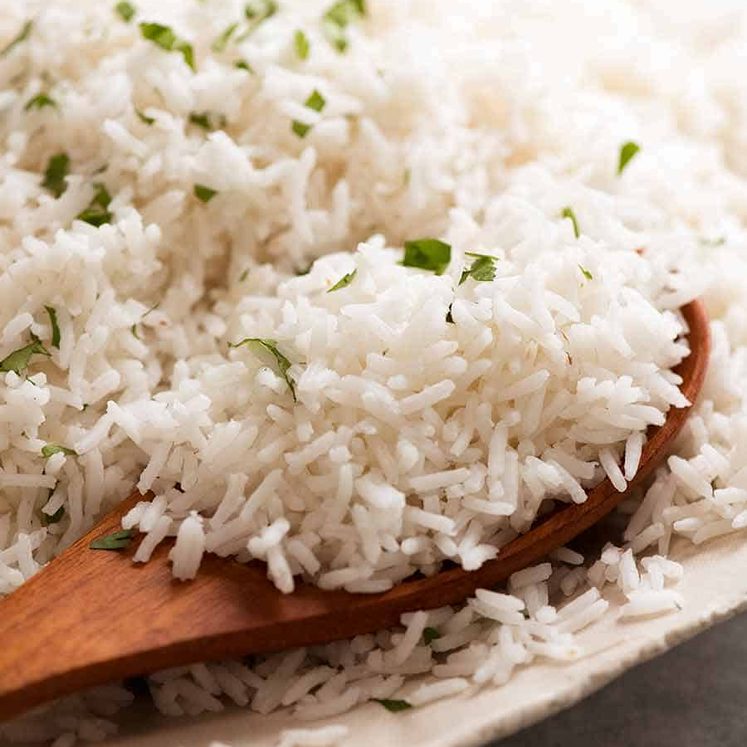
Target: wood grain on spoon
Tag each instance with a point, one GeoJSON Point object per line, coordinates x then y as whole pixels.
{"type": "Point", "coordinates": [90, 617]}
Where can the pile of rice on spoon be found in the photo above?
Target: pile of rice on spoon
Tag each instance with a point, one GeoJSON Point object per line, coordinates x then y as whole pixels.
{"type": "Point", "coordinates": [355, 290]}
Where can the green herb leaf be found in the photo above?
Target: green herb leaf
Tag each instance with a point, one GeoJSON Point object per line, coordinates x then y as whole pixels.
{"type": "Point", "coordinates": [482, 269]}
{"type": "Point", "coordinates": [49, 449]}
{"type": "Point", "coordinates": [165, 38]}
{"type": "Point", "coordinates": [207, 120]}
{"type": "Point", "coordinates": [270, 346]}
{"type": "Point", "coordinates": [449, 317]}
{"type": "Point", "coordinates": [116, 541]}
{"type": "Point", "coordinates": [316, 102]}
{"type": "Point", "coordinates": [430, 635]}
{"type": "Point", "coordinates": [220, 44]}
{"type": "Point", "coordinates": [244, 65]}
{"type": "Point", "coordinates": [244, 275]}
{"type": "Point", "coordinates": [19, 360]}
{"type": "Point", "coordinates": [567, 212]}
{"type": "Point", "coordinates": [427, 254]}
{"type": "Point", "coordinates": [39, 102]}
{"type": "Point", "coordinates": [259, 10]}
{"type": "Point", "coordinates": [55, 518]}
{"type": "Point", "coordinates": [393, 705]}
{"type": "Point", "coordinates": [718, 241]}
{"type": "Point", "coordinates": [344, 281]}
{"type": "Point", "coordinates": [22, 35]}
{"type": "Point", "coordinates": [585, 273]}
{"type": "Point", "coordinates": [126, 11]}
{"type": "Point", "coordinates": [133, 330]}
{"type": "Point", "coordinates": [97, 213]}
{"type": "Point", "coordinates": [338, 18]}
{"type": "Point", "coordinates": [203, 193]}
{"type": "Point", "coordinates": [52, 312]}
{"type": "Point", "coordinates": [144, 118]}
{"type": "Point", "coordinates": [301, 45]}
{"type": "Point", "coordinates": [627, 153]}
{"type": "Point", "coordinates": [54, 176]}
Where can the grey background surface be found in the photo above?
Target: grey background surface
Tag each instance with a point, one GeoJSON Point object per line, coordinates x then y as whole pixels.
{"type": "Point", "coordinates": [693, 696]}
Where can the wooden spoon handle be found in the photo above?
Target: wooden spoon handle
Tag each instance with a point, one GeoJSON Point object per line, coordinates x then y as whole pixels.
{"type": "Point", "coordinates": [92, 616]}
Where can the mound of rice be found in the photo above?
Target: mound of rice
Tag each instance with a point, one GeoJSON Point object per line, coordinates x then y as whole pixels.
{"type": "Point", "coordinates": [169, 173]}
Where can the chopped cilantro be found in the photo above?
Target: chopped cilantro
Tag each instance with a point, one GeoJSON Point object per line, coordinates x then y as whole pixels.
{"type": "Point", "coordinates": [244, 275]}
{"type": "Point", "coordinates": [165, 38]}
{"type": "Point", "coordinates": [54, 176]}
{"type": "Point", "coordinates": [49, 449]}
{"type": "Point", "coordinates": [627, 153]}
{"type": "Point", "coordinates": [244, 65]}
{"type": "Point", "coordinates": [259, 10]}
{"type": "Point", "coordinates": [19, 360]}
{"type": "Point", "coordinates": [393, 705]}
{"type": "Point", "coordinates": [52, 312]}
{"type": "Point", "coordinates": [483, 268]}
{"type": "Point", "coordinates": [567, 212]}
{"type": "Point", "coordinates": [144, 118]}
{"type": "Point", "coordinates": [344, 281]}
{"type": "Point", "coordinates": [301, 45]}
{"type": "Point", "coordinates": [126, 11]}
{"type": "Point", "coordinates": [39, 102]}
{"type": "Point", "coordinates": [116, 541]}
{"type": "Point", "coordinates": [270, 346]}
{"type": "Point", "coordinates": [316, 102]}
{"type": "Point", "coordinates": [54, 518]}
{"type": "Point", "coordinates": [585, 273]}
{"type": "Point", "coordinates": [207, 120]}
{"type": "Point", "coordinates": [430, 635]}
{"type": "Point", "coordinates": [449, 317]}
{"type": "Point", "coordinates": [22, 35]}
{"type": "Point", "coordinates": [338, 18]}
{"type": "Point", "coordinates": [97, 213]}
{"type": "Point", "coordinates": [427, 254]}
{"type": "Point", "coordinates": [221, 42]}
{"type": "Point", "coordinates": [203, 193]}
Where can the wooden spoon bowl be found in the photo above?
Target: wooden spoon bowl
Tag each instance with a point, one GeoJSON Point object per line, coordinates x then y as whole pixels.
{"type": "Point", "coordinates": [91, 617]}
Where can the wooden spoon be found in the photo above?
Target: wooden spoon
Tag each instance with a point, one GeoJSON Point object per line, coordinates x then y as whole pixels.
{"type": "Point", "coordinates": [90, 617]}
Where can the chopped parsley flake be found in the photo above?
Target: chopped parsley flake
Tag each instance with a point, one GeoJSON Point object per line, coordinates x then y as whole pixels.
{"type": "Point", "coordinates": [585, 273]}
{"type": "Point", "coordinates": [39, 102]}
{"type": "Point", "coordinates": [244, 275]}
{"type": "Point", "coordinates": [126, 11]}
{"type": "Point", "coordinates": [165, 38]}
{"type": "Point", "coordinates": [427, 254]}
{"type": "Point", "coordinates": [482, 269]}
{"type": "Point", "coordinates": [144, 118]}
{"type": "Point", "coordinates": [393, 705]}
{"type": "Point", "coordinates": [316, 102]}
{"type": "Point", "coordinates": [244, 65]}
{"type": "Point", "coordinates": [203, 193]}
{"type": "Point", "coordinates": [97, 213]}
{"type": "Point", "coordinates": [430, 635]}
{"type": "Point", "coordinates": [259, 10]}
{"type": "Point", "coordinates": [627, 153]}
{"type": "Point", "coordinates": [344, 281]}
{"type": "Point", "coordinates": [22, 35]}
{"type": "Point", "coordinates": [220, 44]}
{"type": "Point", "coordinates": [207, 120]}
{"type": "Point", "coordinates": [49, 449]}
{"type": "Point", "coordinates": [52, 312]}
{"type": "Point", "coordinates": [567, 212]}
{"type": "Point", "coordinates": [449, 317]}
{"type": "Point", "coordinates": [338, 18]}
{"type": "Point", "coordinates": [116, 541]}
{"type": "Point", "coordinates": [301, 45]}
{"type": "Point", "coordinates": [718, 241]}
{"type": "Point", "coordinates": [54, 518]}
{"type": "Point", "coordinates": [270, 346]}
{"type": "Point", "coordinates": [54, 176]}
{"type": "Point", "coordinates": [18, 361]}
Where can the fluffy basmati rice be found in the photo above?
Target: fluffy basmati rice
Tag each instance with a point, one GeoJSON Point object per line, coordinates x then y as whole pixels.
{"type": "Point", "coordinates": [419, 418]}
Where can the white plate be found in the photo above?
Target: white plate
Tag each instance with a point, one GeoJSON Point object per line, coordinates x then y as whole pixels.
{"type": "Point", "coordinates": [714, 587]}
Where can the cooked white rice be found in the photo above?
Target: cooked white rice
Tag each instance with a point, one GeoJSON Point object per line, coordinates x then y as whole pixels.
{"type": "Point", "coordinates": [422, 419]}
